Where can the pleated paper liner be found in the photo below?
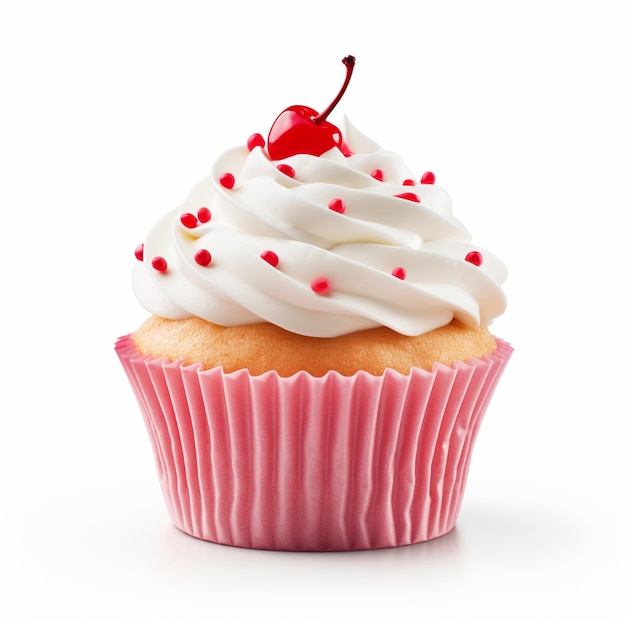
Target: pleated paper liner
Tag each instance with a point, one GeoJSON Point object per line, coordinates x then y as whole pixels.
{"type": "Point", "coordinates": [312, 464]}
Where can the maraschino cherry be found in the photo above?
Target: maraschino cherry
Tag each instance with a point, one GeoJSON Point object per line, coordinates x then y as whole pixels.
{"type": "Point", "coordinates": [300, 129]}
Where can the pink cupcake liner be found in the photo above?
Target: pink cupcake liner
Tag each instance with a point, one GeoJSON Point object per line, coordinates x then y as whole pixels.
{"type": "Point", "coordinates": [312, 464]}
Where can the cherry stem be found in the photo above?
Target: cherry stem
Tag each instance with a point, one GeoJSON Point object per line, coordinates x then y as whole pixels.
{"type": "Point", "coordinates": [349, 62]}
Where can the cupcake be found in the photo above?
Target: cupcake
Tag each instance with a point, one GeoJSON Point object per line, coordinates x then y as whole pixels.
{"type": "Point", "coordinates": [317, 360]}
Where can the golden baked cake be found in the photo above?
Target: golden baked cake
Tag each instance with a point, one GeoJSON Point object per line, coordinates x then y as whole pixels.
{"type": "Point", "coordinates": [264, 347]}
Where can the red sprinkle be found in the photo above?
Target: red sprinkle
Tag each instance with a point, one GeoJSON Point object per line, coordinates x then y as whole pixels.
{"type": "Point", "coordinates": [189, 220]}
{"type": "Point", "coordinates": [377, 174]}
{"type": "Point", "coordinates": [139, 252]}
{"type": "Point", "coordinates": [270, 257]}
{"type": "Point", "coordinates": [409, 182]}
{"type": "Point", "coordinates": [474, 257]}
{"type": "Point", "coordinates": [227, 180]}
{"type": "Point", "coordinates": [204, 215]}
{"type": "Point", "coordinates": [159, 264]}
{"type": "Point", "coordinates": [408, 195]}
{"type": "Point", "coordinates": [202, 257]}
{"type": "Point", "coordinates": [256, 141]}
{"type": "Point", "coordinates": [428, 178]}
{"type": "Point", "coordinates": [286, 169]}
{"type": "Point", "coordinates": [337, 205]}
{"type": "Point", "coordinates": [320, 285]}
{"type": "Point", "coordinates": [399, 272]}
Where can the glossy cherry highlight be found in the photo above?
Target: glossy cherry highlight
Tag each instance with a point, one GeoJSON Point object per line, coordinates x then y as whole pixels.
{"type": "Point", "coordinates": [299, 129]}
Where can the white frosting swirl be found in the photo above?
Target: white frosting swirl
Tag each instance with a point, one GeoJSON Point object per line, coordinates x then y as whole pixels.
{"type": "Point", "coordinates": [355, 251]}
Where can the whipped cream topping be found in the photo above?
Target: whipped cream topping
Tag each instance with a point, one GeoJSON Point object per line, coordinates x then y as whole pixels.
{"type": "Point", "coordinates": [320, 246]}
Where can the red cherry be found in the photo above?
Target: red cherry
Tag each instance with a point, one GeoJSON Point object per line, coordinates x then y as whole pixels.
{"type": "Point", "coordinates": [378, 175]}
{"type": "Point", "coordinates": [320, 285]}
{"type": "Point", "coordinates": [270, 257]}
{"type": "Point", "coordinates": [286, 169]}
{"type": "Point", "coordinates": [256, 141]}
{"type": "Point", "coordinates": [337, 205]}
{"type": "Point", "coordinates": [202, 257]}
{"type": "Point", "coordinates": [428, 178]}
{"type": "Point", "coordinates": [399, 272]}
{"type": "Point", "coordinates": [159, 264]}
{"type": "Point", "coordinates": [139, 252]}
{"type": "Point", "coordinates": [227, 180]}
{"type": "Point", "coordinates": [204, 215]}
{"type": "Point", "coordinates": [189, 220]}
{"type": "Point", "coordinates": [299, 129]}
{"type": "Point", "coordinates": [474, 257]}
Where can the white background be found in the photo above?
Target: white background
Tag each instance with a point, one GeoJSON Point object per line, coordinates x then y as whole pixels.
{"type": "Point", "coordinates": [111, 111]}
